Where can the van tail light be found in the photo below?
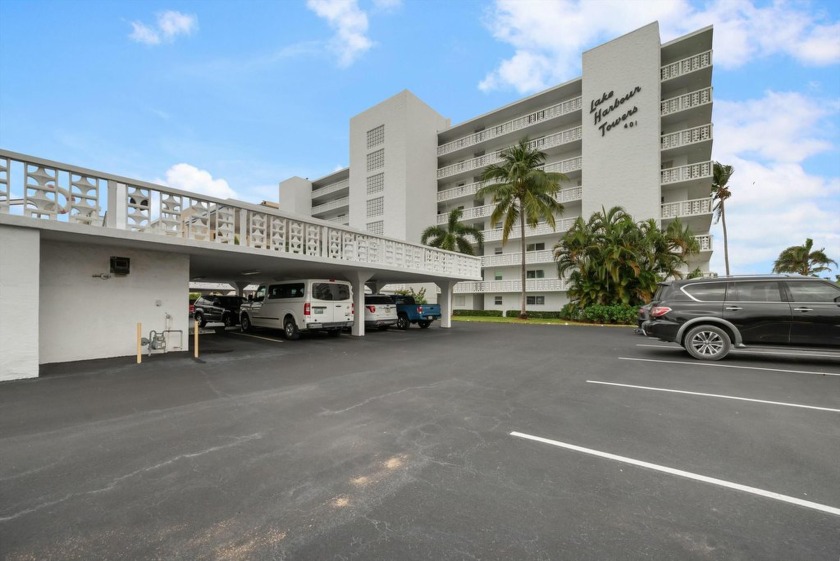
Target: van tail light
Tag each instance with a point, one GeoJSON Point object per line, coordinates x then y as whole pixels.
{"type": "Point", "coordinates": [659, 311]}
{"type": "Point", "coordinates": [372, 309]}
{"type": "Point", "coordinates": [307, 309]}
{"type": "Point", "coordinates": [353, 309]}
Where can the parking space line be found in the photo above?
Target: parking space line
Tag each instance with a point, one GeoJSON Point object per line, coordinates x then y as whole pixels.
{"type": "Point", "coordinates": [681, 473]}
{"type": "Point", "coordinates": [715, 395]}
{"type": "Point", "coordinates": [258, 337]}
{"type": "Point", "coordinates": [717, 365]}
{"type": "Point", "coordinates": [809, 353]}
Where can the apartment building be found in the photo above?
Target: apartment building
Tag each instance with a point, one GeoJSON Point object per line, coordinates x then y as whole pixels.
{"type": "Point", "coordinates": [635, 130]}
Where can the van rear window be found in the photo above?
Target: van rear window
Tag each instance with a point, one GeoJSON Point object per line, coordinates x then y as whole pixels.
{"type": "Point", "coordinates": [330, 291]}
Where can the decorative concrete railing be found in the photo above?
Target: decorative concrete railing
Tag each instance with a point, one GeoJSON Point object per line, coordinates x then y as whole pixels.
{"type": "Point", "coordinates": [531, 285]}
{"type": "Point", "coordinates": [542, 229]}
{"type": "Point", "coordinates": [686, 65]}
{"type": "Point", "coordinates": [61, 192]}
{"type": "Point", "coordinates": [519, 123]}
{"type": "Point", "coordinates": [705, 242]}
{"type": "Point", "coordinates": [331, 205]}
{"type": "Point", "coordinates": [685, 101]}
{"type": "Point", "coordinates": [566, 166]}
{"type": "Point", "coordinates": [330, 189]}
{"type": "Point", "coordinates": [542, 143]}
{"type": "Point", "coordinates": [694, 207]}
{"type": "Point", "coordinates": [686, 137]}
{"type": "Point", "coordinates": [564, 196]}
{"type": "Point", "coordinates": [510, 259]}
{"type": "Point", "coordinates": [467, 190]}
{"type": "Point", "coordinates": [686, 173]}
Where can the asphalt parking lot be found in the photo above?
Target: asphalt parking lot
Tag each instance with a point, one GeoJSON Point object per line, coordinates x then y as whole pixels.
{"type": "Point", "coordinates": [486, 441]}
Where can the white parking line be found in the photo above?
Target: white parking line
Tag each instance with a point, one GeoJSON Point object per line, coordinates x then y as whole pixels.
{"type": "Point", "coordinates": [686, 474]}
{"type": "Point", "coordinates": [258, 337]}
{"type": "Point", "coordinates": [816, 354]}
{"type": "Point", "coordinates": [716, 395]}
{"type": "Point", "coordinates": [718, 365]}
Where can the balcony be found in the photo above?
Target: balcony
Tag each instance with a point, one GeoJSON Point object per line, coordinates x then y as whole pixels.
{"type": "Point", "coordinates": [511, 259]}
{"type": "Point", "coordinates": [686, 137]}
{"type": "Point", "coordinates": [542, 229]}
{"type": "Point", "coordinates": [543, 143]}
{"type": "Point", "coordinates": [531, 285]}
{"type": "Point", "coordinates": [565, 166]}
{"type": "Point", "coordinates": [691, 172]}
{"type": "Point", "coordinates": [686, 66]}
{"type": "Point", "coordinates": [683, 209]}
{"type": "Point", "coordinates": [685, 101]}
{"type": "Point", "coordinates": [468, 190]}
{"type": "Point", "coordinates": [519, 123]}
{"type": "Point", "coordinates": [474, 213]}
{"type": "Point", "coordinates": [343, 202]}
{"type": "Point", "coordinates": [330, 189]}
{"type": "Point", "coordinates": [705, 242]}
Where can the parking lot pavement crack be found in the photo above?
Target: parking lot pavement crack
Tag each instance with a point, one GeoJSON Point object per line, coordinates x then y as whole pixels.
{"type": "Point", "coordinates": [116, 482]}
{"type": "Point", "coordinates": [376, 398]}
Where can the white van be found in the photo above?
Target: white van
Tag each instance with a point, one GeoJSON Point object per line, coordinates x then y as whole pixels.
{"type": "Point", "coordinates": [300, 305]}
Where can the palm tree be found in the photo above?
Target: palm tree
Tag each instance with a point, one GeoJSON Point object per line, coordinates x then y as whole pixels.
{"type": "Point", "coordinates": [454, 236]}
{"type": "Point", "coordinates": [800, 259]}
{"type": "Point", "coordinates": [522, 192]}
{"type": "Point", "coordinates": [721, 192]}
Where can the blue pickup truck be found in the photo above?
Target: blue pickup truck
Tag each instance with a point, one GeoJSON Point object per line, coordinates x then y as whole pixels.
{"type": "Point", "coordinates": [409, 311]}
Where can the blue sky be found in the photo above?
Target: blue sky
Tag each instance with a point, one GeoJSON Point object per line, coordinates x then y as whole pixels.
{"type": "Point", "coordinates": [229, 98]}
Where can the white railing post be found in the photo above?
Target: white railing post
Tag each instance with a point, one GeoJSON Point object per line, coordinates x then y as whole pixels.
{"type": "Point", "coordinates": [117, 216]}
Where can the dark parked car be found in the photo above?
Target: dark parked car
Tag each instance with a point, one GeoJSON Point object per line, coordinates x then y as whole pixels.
{"type": "Point", "coordinates": [709, 316]}
{"type": "Point", "coordinates": [223, 309]}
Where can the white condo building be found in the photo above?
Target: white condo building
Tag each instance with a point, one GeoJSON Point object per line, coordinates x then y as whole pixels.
{"type": "Point", "coordinates": [635, 130]}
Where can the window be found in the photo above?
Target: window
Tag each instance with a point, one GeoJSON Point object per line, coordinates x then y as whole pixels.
{"type": "Point", "coordinates": [535, 274]}
{"type": "Point", "coordinates": [376, 160]}
{"type": "Point", "coordinates": [497, 301]}
{"type": "Point", "coordinates": [375, 183]}
{"type": "Point", "coordinates": [330, 291]}
{"type": "Point", "coordinates": [376, 228]}
{"type": "Point", "coordinates": [376, 136]}
{"type": "Point", "coordinates": [535, 300]}
{"type": "Point", "coordinates": [535, 246]}
{"type": "Point", "coordinates": [375, 207]}
{"type": "Point", "coordinates": [707, 291]}
{"type": "Point", "coordinates": [803, 291]}
{"type": "Point", "coordinates": [498, 276]}
{"type": "Point", "coordinates": [294, 290]}
{"type": "Point", "coordinates": [497, 251]}
{"type": "Point", "coordinates": [753, 291]}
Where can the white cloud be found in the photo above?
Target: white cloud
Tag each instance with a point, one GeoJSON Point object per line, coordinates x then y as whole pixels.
{"type": "Point", "coordinates": [170, 24]}
{"type": "Point", "coordinates": [350, 24]}
{"type": "Point", "coordinates": [189, 178]}
{"type": "Point", "coordinates": [548, 37]}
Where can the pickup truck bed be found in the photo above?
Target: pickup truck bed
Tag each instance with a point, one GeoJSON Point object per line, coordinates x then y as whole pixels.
{"type": "Point", "coordinates": [408, 312]}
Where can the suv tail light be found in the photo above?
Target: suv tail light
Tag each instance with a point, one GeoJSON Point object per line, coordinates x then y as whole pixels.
{"type": "Point", "coordinates": [659, 311]}
{"type": "Point", "coordinates": [371, 309]}
{"type": "Point", "coordinates": [307, 308]}
{"type": "Point", "coordinates": [192, 308]}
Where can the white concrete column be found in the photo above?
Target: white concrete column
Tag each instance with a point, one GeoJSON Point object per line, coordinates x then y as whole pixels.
{"type": "Point", "coordinates": [20, 288]}
{"type": "Point", "coordinates": [240, 286]}
{"type": "Point", "coordinates": [358, 280]}
{"type": "Point", "coordinates": [117, 216]}
{"type": "Point", "coordinates": [445, 301]}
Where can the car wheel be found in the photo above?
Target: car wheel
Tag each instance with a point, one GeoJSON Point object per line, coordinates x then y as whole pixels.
{"type": "Point", "coordinates": [199, 317]}
{"type": "Point", "coordinates": [402, 322]}
{"type": "Point", "coordinates": [228, 320]}
{"type": "Point", "coordinates": [245, 323]}
{"type": "Point", "coordinates": [707, 342]}
{"type": "Point", "coordinates": [290, 329]}
{"type": "Point", "coordinates": [424, 324]}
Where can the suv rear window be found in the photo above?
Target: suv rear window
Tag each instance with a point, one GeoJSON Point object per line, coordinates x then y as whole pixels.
{"type": "Point", "coordinates": [805, 291]}
{"type": "Point", "coordinates": [330, 291]}
{"type": "Point", "coordinates": [706, 291]}
{"type": "Point", "coordinates": [754, 291]}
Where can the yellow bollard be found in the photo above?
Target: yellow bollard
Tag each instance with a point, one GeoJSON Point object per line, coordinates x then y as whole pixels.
{"type": "Point", "coordinates": [139, 342]}
{"type": "Point", "coordinates": [195, 339]}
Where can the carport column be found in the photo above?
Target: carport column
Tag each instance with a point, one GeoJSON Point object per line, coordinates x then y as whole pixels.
{"type": "Point", "coordinates": [240, 287]}
{"type": "Point", "coordinates": [358, 280]}
{"type": "Point", "coordinates": [445, 302]}
{"type": "Point", "coordinates": [20, 291]}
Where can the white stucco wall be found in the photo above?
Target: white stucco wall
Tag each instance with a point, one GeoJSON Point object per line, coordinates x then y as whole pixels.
{"type": "Point", "coordinates": [83, 317]}
{"type": "Point", "coordinates": [19, 288]}
{"type": "Point", "coordinates": [296, 196]}
{"type": "Point", "coordinates": [621, 165]}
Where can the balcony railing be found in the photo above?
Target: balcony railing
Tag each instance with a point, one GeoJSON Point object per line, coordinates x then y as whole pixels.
{"type": "Point", "coordinates": [331, 205]}
{"type": "Point", "coordinates": [510, 259]}
{"type": "Point", "coordinates": [511, 126]}
{"type": "Point", "coordinates": [531, 285]}
{"type": "Point", "coordinates": [694, 207]}
{"type": "Point", "coordinates": [564, 196]}
{"type": "Point", "coordinates": [457, 192]}
{"type": "Point", "coordinates": [705, 242]}
{"type": "Point", "coordinates": [542, 229]}
{"type": "Point", "coordinates": [566, 166]}
{"type": "Point", "coordinates": [686, 173]}
{"type": "Point", "coordinates": [64, 193]}
{"type": "Point", "coordinates": [330, 189]}
{"type": "Point", "coordinates": [543, 143]}
{"type": "Point", "coordinates": [685, 101]}
{"type": "Point", "coordinates": [686, 65]}
{"type": "Point", "coordinates": [686, 137]}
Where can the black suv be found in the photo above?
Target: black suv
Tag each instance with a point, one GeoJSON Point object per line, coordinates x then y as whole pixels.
{"type": "Point", "coordinates": [709, 316]}
{"type": "Point", "coordinates": [217, 308]}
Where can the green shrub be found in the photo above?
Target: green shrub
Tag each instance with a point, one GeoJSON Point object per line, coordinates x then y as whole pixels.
{"type": "Point", "coordinates": [478, 313]}
{"type": "Point", "coordinates": [535, 315]}
{"type": "Point", "coordinates": [616, 313]}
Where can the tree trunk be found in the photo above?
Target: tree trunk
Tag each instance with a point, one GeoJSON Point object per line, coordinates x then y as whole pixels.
{"type": "Point", "coordinates": [523, 314]}
{"type": "Point", "coordinates": [725, 238]}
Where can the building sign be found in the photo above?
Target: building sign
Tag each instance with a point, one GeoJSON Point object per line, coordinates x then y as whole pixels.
{"type": "Point", "coordinates": [609, 105]}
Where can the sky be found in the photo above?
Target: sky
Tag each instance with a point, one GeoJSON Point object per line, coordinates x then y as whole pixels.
{"type": "Point", "coordinates": [230, 98]}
